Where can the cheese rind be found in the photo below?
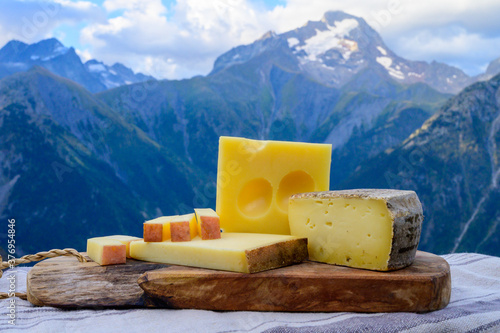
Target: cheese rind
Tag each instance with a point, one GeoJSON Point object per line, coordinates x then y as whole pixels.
{"type": "Point", "coordinates": [256, 178]}
{"type": "Point", "coordinates": [236, 252]}
{"type": "Point", "coordinates": [208, 223]}
{"type": "Point", "coordinates": [124, 240]}
{"type": "Point", "coordinates": [366, 228]}
{"type": "Point", "coordinates": [106, 251]}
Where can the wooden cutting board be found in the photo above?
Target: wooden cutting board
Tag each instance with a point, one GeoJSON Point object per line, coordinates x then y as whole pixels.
{"type": "Point", "coordinates": [64, 282]}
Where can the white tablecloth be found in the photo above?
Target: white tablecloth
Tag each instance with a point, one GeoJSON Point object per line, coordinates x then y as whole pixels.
{"type": "Point", "coordinates": [474, 307]}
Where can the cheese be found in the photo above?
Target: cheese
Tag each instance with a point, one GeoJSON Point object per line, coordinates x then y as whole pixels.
{"type": "Point", "coordinates": [157, 230]}
{"type": "Point", "coordinates": [183, 228]}
{"type": "Point", "coordinates": [371, 229]}
{"type": "Point", "coordinates": [106, 251]}
{"type": "Point", "coordinates": [237, 252]}
{"type": "Point", "coordinates": [256, 178]}
{"type": "Point", "coordinates": [208, 223]}
{"type": "Point", "coordinates": [124, 240]}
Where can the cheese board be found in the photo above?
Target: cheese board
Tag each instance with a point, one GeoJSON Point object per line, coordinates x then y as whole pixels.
{"type": "Point", "coordinates": [66, 283]}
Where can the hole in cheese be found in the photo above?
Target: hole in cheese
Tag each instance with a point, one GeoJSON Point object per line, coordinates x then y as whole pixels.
{"type": "Point", "coordinates": [255, 198]}
{"type": "Point", "coordinates": [293, 183]}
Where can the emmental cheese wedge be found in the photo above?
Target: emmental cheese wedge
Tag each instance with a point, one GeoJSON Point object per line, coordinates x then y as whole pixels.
{"type": "Point", "coordinates": [256, 178]}
{"type": "Point", "coordinates": [124, 240]}
{"type": "Point", "coordinates": [183, 228]}
{"type": "Point", "coordinates": [207, 222]}
{"type": "Point", "coordinates": [157, 230]}
{"type": "Point", "coordinates": [106, 251]}
{"type": "Point", "coordinates": [367, 228]}
{"type": "Point", "coordinates": [236, 252]}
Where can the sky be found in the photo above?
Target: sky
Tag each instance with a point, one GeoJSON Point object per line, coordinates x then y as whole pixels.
{"type": "Point", "coordinates": [176, 39]}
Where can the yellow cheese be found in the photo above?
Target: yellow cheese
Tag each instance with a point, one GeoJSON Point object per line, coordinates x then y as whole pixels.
{"type": "Point", "coordinates": [237, 252]}
{"type": "Point", "coordinates": [106, 251]}
{"type": "Point", "coordinates": [124, 240]}
{"type": "Point", "coordinates": [371, 229]}
{"type": "Point", "coordinates": [256, 178]}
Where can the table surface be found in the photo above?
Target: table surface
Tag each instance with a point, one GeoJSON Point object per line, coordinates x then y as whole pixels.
{"type": "Point", "coordinates": [474, 307]}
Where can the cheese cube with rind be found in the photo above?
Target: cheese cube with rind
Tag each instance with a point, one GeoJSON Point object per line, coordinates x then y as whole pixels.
{"type": "Point", "coordinates": [236, 252]}
{"type": "Point", "coordinates": [208, 224]}
{"type": "Point", "coordinates": [106, 251]}
{"type": "Point", "coordinates": [158, 229]}
{"type": "Point", "coordinates": [183, 228]}
{"type": "Point", "coordinates": [124, 240]}
{"type": "Point", "coordinates": [255, 179]}
{"type": "Point", "coordinates": [367, 228]}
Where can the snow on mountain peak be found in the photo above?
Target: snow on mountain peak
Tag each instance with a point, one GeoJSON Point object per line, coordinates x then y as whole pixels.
{"type": "Point", "coordinates": [332, 37]}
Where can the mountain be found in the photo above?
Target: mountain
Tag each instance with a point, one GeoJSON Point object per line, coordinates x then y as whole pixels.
{"type": "Point", "coordinates": [51, 54]}
{"type": "Point", "coordinates": [340, 46]}
{"type": "Point", "coordinates": [266, 90]}
{"type": "Point", "coordinates": [453, 163]}
{"type": "Point", "coordinates": [492, 70]}
{"type": "Point", "coordinates": [72, 168]}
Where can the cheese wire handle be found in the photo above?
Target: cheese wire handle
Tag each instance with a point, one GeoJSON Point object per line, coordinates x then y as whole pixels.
{"type": "Point", "coordinates": [37, 257]}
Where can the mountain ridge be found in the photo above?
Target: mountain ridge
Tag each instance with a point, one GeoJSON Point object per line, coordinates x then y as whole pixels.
{"type": "Point", "coordinates": [51, 54]}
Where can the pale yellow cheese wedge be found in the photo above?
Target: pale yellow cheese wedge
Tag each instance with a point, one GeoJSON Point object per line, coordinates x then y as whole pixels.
{"type": "Point", "coordinates": [106, 251]}
{"type": "Point", "coordinates": [371, 229]}
{"type": "Point", "coordinates": [237, 252]}
{"type": "Point", "coordinates": [256, 178]}
{"type": "Point", "coordinates": [124, 240]}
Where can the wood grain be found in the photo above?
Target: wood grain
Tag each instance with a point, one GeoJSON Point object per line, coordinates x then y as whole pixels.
{"type": "Point", "coordinates": [423, 286]}
{"type": "Point", "coordinates": [67, 283]}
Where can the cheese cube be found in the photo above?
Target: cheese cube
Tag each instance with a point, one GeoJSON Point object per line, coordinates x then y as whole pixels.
{"type": "Point", "coordinates": [157, 230]}
{"type": "Point", "coordinates": [371, 229]}
{"type": "Point", "coordinates": [106, 251]}
{"type": "Point", "coordinates": [183, 228]}
{"type": "Point", "coordinates": [208, 224]}
{"type": "Point", "coordinates": [236, 252]}
{"type": "Point", "coordinates": [256, 178]}
{"type": "Point", "coordinates": [125, 240]}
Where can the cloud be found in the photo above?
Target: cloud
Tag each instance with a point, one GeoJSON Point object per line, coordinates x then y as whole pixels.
{"type": "Point", "coordinates": [30, 21]}
{"type": "Point", "coordinates": [185, 45]}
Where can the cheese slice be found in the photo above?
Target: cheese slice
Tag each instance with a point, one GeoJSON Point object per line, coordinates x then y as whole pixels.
{"type": "Point", "coordinates": [157, 230]}
{"type": "Point", "coordinates": [124, 240]}
{"type": "Point", "coordinates": [106, 251]}
{"type": "Point", "coordinates": [237, 252]}
{"type": "Point", "coordinates": [371, 229]}
{"type": "Point", "coordinates": [183, 228]}
{"type": "Point", "coordinates": [207, 222]}
{"type": "Point", "coordinates": [256, 178]}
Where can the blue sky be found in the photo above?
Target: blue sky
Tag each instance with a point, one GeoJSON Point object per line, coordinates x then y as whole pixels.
{"type": "Point", "coordinates": [180, 38]}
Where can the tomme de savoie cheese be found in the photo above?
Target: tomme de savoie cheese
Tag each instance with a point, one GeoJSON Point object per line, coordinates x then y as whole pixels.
{"type": "Point", "coordinates": [371, 229]}
{"type": "Point", "coordinates": [256, 178]}
{"type": "Point", "coordinates": [237, 252]}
